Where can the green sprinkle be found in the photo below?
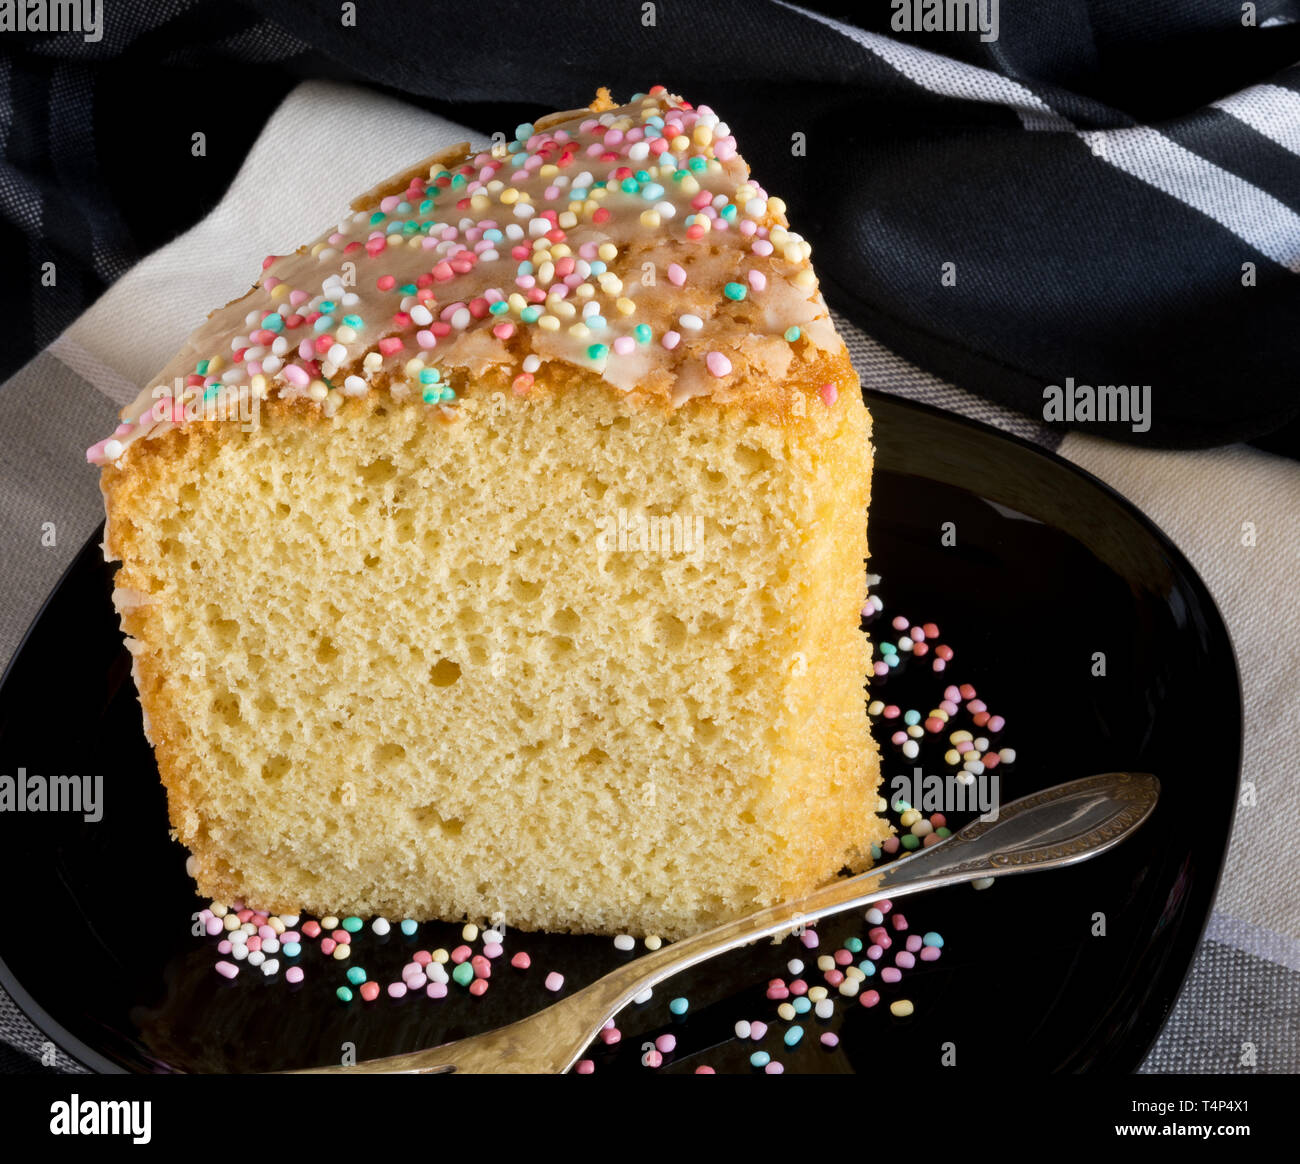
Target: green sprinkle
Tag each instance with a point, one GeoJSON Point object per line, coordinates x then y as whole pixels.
{"type": "Point", "coordinates": [463, 975]}
{"type": "Point", "coordinates": [943, 831]}
{"type": "Point", "coordinates": [735, 291]}
{"type": "Point", "coordinates": [431, 395]}
{"type": "Point", "coordinates": [352, 924]}
{"type": "Point", "coordinates": [377, 217]}
{"type": "Point", "coordinates": [530, 313]}
{"type": "Point", "coordinates": [910, 841]}
{"type": "Point", "coordinates": [697, 164]}
{"type": "Point", "coordinates": [211, 391]}
{"type": "Point", "coordinates": [853, 945]}
{"type": "Point", "coordinates": [888, 649]}
{"type": "Point", "coordinates": [273, 322]}
{"type": "Point", "coordinates": [597, 351]}
{"type": "Point", "coordinates": [326, 306]}
{"type": "Point", "coordinates": [408, 289]}
{"type": "Point", "coordinates": [356, 975]}
{"type": "Point", "coordinates": [343, 994]}
{"type": "Point", "coordinates": [353, 321]}
{"type": "Point", "coordinates": [202, 366]}
{"type": "Point", "coordinates": [500, 307]}
{"type": "Point", "coordinates": [429, 375]}
{"type": "Point", "coordinates": [643, 332]}
{"type": "Point", "coordinates": [630, 185]}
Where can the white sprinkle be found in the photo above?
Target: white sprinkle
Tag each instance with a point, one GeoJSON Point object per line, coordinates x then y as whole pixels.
{"type": "Point", "coordinates": [112, 449]}
{"type": "Point", "coordinates": [532, 363]}
{"type": "Point", "coordinates": [982, 883]}
{"type": "Point", "coordinates": [492, 936]}
{"type": "Point", "coordinates": [824, 1009]}
{"type": "Point", "coordinates": [421, 315]}
{"type": "Point", "coordinates": [691, 322]}
{"type": "Point", "coordinates": [794, 966]}
{"type": "Point", "coordinates": [256, 958]}
{"type": "Point", "coordinates": [625, 942]}
{"type": "Point", "coordinates": [380, 926]}
{"type": "Point", "coordinates": [742, 1029]}
{"type": "Point", "coordinates": [460, 318]}
{"type": "Point", "coordinates": [644, 997]}
{"type": "Point", "coordinates": [355, 386]}
{"type": "Point", "coordinates": [269, 968]}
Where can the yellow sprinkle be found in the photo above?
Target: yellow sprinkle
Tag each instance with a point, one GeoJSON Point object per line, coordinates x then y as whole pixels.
{"type": "Point", "coordinates": [329, 923]}
{"type": "Point", "coordinates": [579, 331]}
{"type": "Point", "coordinates": [568, 219]}
{"type": "Point", "coordinates": [786, 1012]}
{"type": "Point", "coordinates": [653, 942]}
{"type": "Point", "coordinates": [901, 1009]}
{"type": "Point", "coordinates": [909, 818]}
{"type": "Point", "coordinates": [679, 143]}
{"type": "Point", "coordinates": [341, 951]}
{"type": "Point", "coordinates": [373, 362]}
{"type": "Point", "coordinates": [805, 279]}
{"type": "Point", "coordinates": [960, 737]}
{"type": "Point", "coordinates": [559, 250]}
{"type": "Point", "coordinates": [414, 366]}
{"type": "Point", "coordinates": [610, 283]}
{"type": "Point", "coordinates": [318, 390]}
{"type": "Point", "coordinates": [230, 922]}
{"type": "Point", "coordinates": [690, 185]}
{"type": "Point", "coordinates": [817, 993]}
{"type": "Point", "coordinates": [548, 323]}
{"type": "Point", "coordinates": [280, 290]}
{"type": "Point", "coordinates": [345, 334]}
{"type": "Point", "coordinates": [440, 955]}
{"type": "Point", "coordinates": [650, 218]}
{"type": "Point", "coordinates": [549, 170]}
{"type": "Point", "coordinates": [791, 253]}
{"type": "Point", "coordinates": [276, 924]}
{"type": "Point", "coordinates": [625, 305]}
{"type": "Point", "coordinates": [258, 386]}
{"type": "Point", "coordinates": [470, 932]}
{"type": "Point", "coordinates": [320, 246]}
{"type": "Point", "coordinates": [561, 307]}
{"type": "Point", "coordinates": [776, 206]}
{"type": "Point", "coordinates": [517, 302]}
{"type": "Point", "coordinates": [607, 252]}
{"type": "Point", "coordinates": [509, 195]}
{"type": "Point", "coordinates": [480, 201]}
{"type": "Point", "coordinates": [952, 756]}
{"type": "Point", "coordinates": [850, 986]}
{"type": "Point", "coordinates": [584, 291]}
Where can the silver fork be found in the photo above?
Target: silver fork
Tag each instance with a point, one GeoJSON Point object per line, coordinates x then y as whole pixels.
{"type": "Point", "coordinates": [1060, 826]}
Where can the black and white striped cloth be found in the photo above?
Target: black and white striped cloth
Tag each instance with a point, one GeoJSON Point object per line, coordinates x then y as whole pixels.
{"type": "Point", "coordinates": [1112, 189]}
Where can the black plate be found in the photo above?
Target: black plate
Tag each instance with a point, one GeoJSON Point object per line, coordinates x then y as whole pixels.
{"type": "Point", "coordinates": [1049, 567]}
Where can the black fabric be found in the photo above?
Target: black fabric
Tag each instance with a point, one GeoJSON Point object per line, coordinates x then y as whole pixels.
{"type": "Point", "coordinates": [1066, 266]}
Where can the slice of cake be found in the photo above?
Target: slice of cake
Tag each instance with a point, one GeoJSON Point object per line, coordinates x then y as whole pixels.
{"type": "Point", "coordinates": [500, 554]}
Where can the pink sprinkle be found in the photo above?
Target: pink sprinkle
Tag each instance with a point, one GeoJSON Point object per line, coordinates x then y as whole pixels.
{"type": "Point", "coordinates": [521, 961]}
{"type": "Point", "coordinates": [676, 275]}
{"type": "Point", "coordinates": [554, 981]}
{"type": "Point", "coordinates": [478, 987]}
{"type": "Point", "coordinates": [493, 949]}
{"type": "Point", "coordinates": [809, 939]}
{"type": "Point", "coordinates": [584, 1067]}
{"type": "Point", "coordinates": [874, 953]}
{"type": "Point", "coordinates": [369, 991]}
{"type": "Point", "coordinates": [652, 1059]}
{"type": "Point", "coordinates": [930, 953]}
{"type": "Point", "coordinates": [214, 926]}
{"type": "Point", "coordinates": [869, 998]}
{"type": "Point", "coordinates": [671, 339]}
{"type": "Point", "coordinates": [904, 961]}
{"type": "Point", "coordinates": [899, 921]}
{"type": "Point", "coordinates": [461, 954]}
{"type": "Point", "coordinates": [997, 723]}
{"type": "Point", "coordinates": [293, 974]}
{"type": "Point", "coordinates": [830, 1039]}
{"type": "Point", "coordinates": [421, 958]}
{"type": "Point", "coordinates": [705, 1070]}
{"type": "Point", "coordinates": [436, 990]}
{"type": "Point", "coordinates": [254, 944]}
{"type": "Point", "coordinates": [798, 987]}
{"type": "Point", "coordinates": [757, 280]}
{"type": "Point", "coordinates": [891, 974]}
{"type": "Point", "coordinates": [224, 947]}
{"type": "Point", "coordinates": [757, 1030]}
{"type": "Point", "coordinates": [311, 929]}
{"type": "Point", "coordinates": [503, 331]}
{"type": "Point", "coordinates": [625, 345]}
{"type": "Point", "coordinates": [718, 364]}
{"type": "Point", "coordinates": [830, 393]}
{"type": "Point", "coordinates": [327, 945]}
{"type": "Point", "coordinates": [610, 1035]}
{"type": "Point", "coordinates": [390, 344]}
{"type": "Point", "coordinates": [296, 376]}
{"type": "Point", "coordinates": [414, 981]}
{"type": "Point", "coordinates": [914, 943]}
{"type": "Point", "coordinates": [227, 969]}
{"type": "Point", "coordinates": [834, 977]}
{"type": "Point", "coordinates": [396, 989]}
{"type": "Point", "coordinates": [666, 1043]}
{"type": "Point", "coordinates": [777, 993]}
{"type": "Point", "coordinates": [843, 958]}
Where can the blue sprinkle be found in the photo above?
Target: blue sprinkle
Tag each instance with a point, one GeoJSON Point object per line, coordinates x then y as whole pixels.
{"type": "Point", "coordinates": [793, 1035]}
{"type": "Point", "coordinates": [409, 927]}
{"type": "Point", "coordinates": [679, 1006]}
{"type": "Point", "coordinates": [760, 1059]}
{"type": "Point", "coordinates": [932, 939]}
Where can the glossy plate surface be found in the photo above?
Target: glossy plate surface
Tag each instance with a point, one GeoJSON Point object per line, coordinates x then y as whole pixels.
{"type": "Point", "coordinates": [1049, 568]}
